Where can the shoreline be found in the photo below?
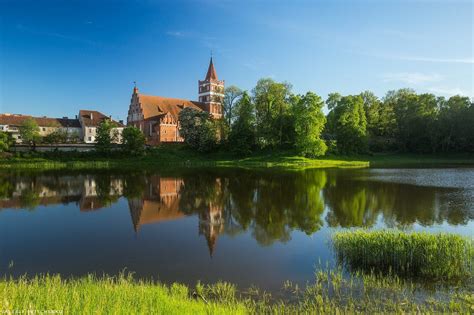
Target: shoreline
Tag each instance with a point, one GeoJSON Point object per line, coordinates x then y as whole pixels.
{"type": "Point", "coordinates": [169, 156]}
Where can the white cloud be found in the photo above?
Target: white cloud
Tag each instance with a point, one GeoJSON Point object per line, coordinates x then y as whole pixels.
{"type": "Point", "coordinates": [442, 60]}
{"type": "Point", "coordinates": [447, 91]}
{"type": "Point", "coordinates": [412, 77]}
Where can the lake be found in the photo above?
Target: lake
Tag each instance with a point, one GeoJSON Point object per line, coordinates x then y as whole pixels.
{"type": "Point", "coordinates": [249, 227]}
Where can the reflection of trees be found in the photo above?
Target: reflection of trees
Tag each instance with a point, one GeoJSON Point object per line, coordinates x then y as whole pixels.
{"type": "Point", "coordinates": [358, 202]}
{"type": "Point", "coordinates": [268, 204]}
{"type": "Point", "coordinates": [29, 198]}
{"type": "Point", "coordinates": [6, 187]}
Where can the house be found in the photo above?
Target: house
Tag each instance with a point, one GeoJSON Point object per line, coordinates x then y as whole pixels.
{"type": "Point", "coordinates": [157, 116]}
{"type": "Point", "coordinates": [91, 119]}
{"type": "Point", "coordinates": [11, 123]}
{"type": "Point", "coordinates": [83, 128]}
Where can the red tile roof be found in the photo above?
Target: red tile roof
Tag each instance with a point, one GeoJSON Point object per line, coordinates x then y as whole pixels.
{"type": "Point", "coordinates": [93, 118]}
{"type": "Point", "coordinates": [157, 105]}
{"type": "Point", "coordinates": [18, 119]}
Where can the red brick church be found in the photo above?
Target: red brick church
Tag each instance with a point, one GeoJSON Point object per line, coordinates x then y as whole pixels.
{"type": "Point", "coordinates": [157, 116]}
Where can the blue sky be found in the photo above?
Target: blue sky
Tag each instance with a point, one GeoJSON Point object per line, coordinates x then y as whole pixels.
{"type": "Point", "coordinates": [57, 57]}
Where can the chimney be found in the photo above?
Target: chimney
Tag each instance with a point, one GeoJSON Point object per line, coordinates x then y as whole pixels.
{"type": "Point", "coordinates": [76, 116]}
{"type": "Point", "coordinates": [92, 116]}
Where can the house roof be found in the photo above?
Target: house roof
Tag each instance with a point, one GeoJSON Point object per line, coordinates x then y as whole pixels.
{"type": "Point", "coordinates": [93, 118]}
{"type": "Point", "coordinates": [157, 105]}
{"type": "Point", "coordinates": [211, 72]}
{"type": "Point", "coordinates": [18, 119]}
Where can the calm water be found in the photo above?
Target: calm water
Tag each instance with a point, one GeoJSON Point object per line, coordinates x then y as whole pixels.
{"type": "Point", "coordinates": [248, 227]}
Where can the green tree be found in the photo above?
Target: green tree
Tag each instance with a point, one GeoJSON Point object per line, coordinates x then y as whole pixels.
{"type": "Point", "coordinates": [455, 124]}
{"type": "Point", "coordinates": [309, 124]}
{"type": "Point", "coordinates": [274, 121]}
{"type": "Point", "coordinates": [232, 95]}
{"type": "Point", "coordinates": [242, 135]}
{"type": "Point", "coordinates": [416, 117]}
{"type": "Point", "coordinates": [29, 132]}
{"type": "Point", "coordinates": [381, 122]}
{"type": "Point", "coordinates": [5, 141]}
{"type": "Point", "coordinates": [198, 129]}
{"type": "Point", "coordinates": [350, 125]}
{"type": "Point", "coordinates": [133, 140]}
{"type": "Point", "coordinates": [106, 135]}
{"type": "Point", "coordinates": [57, 136]}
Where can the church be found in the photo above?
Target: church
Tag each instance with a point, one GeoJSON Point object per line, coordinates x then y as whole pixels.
{"type": "Point", "coordinates": [157, 116]}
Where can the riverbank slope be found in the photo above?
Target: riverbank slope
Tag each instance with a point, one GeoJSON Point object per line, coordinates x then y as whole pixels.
{"type": "Point", "coordinates": [179, 155]}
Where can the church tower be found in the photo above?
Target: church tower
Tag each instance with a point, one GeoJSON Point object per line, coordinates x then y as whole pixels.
{"type": "Point", "coordinates": [211, 92]}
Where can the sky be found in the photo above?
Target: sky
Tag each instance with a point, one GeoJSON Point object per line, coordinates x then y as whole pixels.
{"type": "Point", "coordinates": [57, 57]}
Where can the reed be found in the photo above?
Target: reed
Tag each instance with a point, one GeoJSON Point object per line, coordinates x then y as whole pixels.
{"type": "Point", "coordinates": [439, 256]}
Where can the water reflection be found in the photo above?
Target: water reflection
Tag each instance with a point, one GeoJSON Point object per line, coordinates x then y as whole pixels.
{"type": "Point", "coordinates": [268, 205]}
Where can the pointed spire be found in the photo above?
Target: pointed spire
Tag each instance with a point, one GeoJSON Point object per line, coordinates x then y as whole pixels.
{"type": "Point", "coordinates": [211, 243]}
{"type": "Point", "coordinates": [211, 72]}
{"type": "Point", "coordinates": [135, 89]}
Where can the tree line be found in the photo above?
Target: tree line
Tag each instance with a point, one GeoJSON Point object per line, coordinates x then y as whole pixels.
{"type": "Point", "coordinates": [270, 116]}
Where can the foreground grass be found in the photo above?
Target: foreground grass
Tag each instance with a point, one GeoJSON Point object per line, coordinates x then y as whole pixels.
{"type": "Point", "coordinates": [425, 255]}
{"type": "Point", "coordinates": [331, 293]}
{"type": "Point", "coordinates": [107, 295]}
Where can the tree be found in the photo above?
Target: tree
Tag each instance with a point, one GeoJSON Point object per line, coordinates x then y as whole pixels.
{"type": "Point", "coordinates": [106, 135]}
{"type": "Point", "coordinates": [381, 122]}
{"type": "Point", "coordinates": [133, 140]}
{"type": "Point", "coordinates": [309, 124]}
{"type": "Point", "coordinates": [57, 136]}
{"type": "Point", "coordinates": [232, 95]}
{"type": "Point", "coordinates": [242, 135]}
{"type": "Point", "coordinates": [455, 124]}
{"type": "Point", "coordinates": [274, 123]}
{"type": "Point", "coordinates": [416, 117]}
{"type": "Point", "coordinates": [29, 131]}
{"type": "Point", "coordinates": [350, 124]}
{"type": "Point", "coordinates": [198, 129]}
{"type": "Point", "coordinates": [5, 141]}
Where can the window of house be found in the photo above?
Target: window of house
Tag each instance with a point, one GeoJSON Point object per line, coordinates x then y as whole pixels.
{"type": "Point", "coordinates": [90, 138]}
{"type": "Point", "coordinates": [44, 129]}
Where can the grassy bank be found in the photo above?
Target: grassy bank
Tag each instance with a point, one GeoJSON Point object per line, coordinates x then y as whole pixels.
{"type": "Point", "coordinates": [170, 155]}
{"type": "Point", "coordinates": [330, 293]}
{"type": "Point", "coordinates": [178, 155]}
{"type": "Point", "coordinates": [425, 255]}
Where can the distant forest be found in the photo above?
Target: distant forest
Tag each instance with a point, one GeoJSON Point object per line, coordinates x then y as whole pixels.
{"type": "Point", "coordinates": [271, 116]}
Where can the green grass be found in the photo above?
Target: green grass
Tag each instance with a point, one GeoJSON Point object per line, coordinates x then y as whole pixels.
{"type": "Point", "coordinates": [179, 155]}
{"type": "Point", "coordinates": [171, 155]}
{"type": "Point", "coordinates": [331, 292]}
{"type": "Point", "coordinates": [430, 256]}
{"type": "Point", "coordinates": [107, 295]}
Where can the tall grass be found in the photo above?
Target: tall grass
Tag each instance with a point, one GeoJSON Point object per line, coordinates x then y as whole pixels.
{"type": "Point", "coordinates": [418, 254]}
{"type": "Point", "coordinates": [332, 292]}
{"type": "Point", "coordinates": [107, 295]}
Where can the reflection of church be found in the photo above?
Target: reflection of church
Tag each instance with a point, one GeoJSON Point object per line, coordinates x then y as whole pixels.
{"type": "Point", "coordinates": [160, 202]}
{"type": "Point", "coordinates": [211, 224]}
